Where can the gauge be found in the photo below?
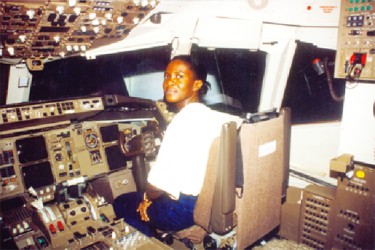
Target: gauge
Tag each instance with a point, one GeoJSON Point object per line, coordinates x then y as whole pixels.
{"type": "Point", "coordinates": [91, 140]}
{"type": "Point", "coordinates": [58, 157]}
{"type": "Point", "coordinates": [128, 132]}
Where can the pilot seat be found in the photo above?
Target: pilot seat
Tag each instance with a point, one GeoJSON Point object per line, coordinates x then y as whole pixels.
{"type": "Point", "coordinates": [244, 186]}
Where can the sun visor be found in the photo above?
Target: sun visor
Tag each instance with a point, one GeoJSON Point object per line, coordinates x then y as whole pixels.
{"type": "Point", "coordinates": [222, 32]}
{"type": "Point", "coordinates": [149, 37]}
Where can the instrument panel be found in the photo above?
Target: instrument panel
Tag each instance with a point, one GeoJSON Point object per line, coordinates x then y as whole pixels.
{"type": "Point", "coordinates": [88, 222]}
{"type": "Point", "coordinates": [81, 149]}
{"type": "Point", "coordinates": [356, 41]}
{"type": "Point", "coordinates": [52, 173]}
{"type": "Point", "coordinates": [60, 147]}
{"type": "Point", "coordinates": [16, 113]}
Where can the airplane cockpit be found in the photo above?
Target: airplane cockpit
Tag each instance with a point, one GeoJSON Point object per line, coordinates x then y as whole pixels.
{"type": "Point", "coordinates": [83, 115]}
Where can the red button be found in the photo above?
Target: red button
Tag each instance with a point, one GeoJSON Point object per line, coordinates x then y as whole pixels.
{"type": "Point", "coordinates": [52, 228]}
{"type": "Point", "coordinates": [60, 226]}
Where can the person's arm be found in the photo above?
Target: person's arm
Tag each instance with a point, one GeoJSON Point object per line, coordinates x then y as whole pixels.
{"type": "Point", "coordinates": [153, 192]}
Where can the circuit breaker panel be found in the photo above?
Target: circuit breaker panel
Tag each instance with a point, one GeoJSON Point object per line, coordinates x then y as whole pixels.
{"type": "Point", "coordinates": [355, 57]}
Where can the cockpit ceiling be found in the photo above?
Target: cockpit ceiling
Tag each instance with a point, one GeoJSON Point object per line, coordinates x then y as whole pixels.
{"type": "Point", "coordinates": [61, 28]}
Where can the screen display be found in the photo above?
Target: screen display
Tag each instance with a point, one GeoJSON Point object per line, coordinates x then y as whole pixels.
{"type": "Point", "coordinates": [37, 175]}
{"type": "Point", "coordinates": [31, 149]}
{"type": "Point", "coordinates": [11, 204]}
{"type": "Point", "coordinates": [109, 133]}
{"type": "Point", "coordinates": [115, 158]}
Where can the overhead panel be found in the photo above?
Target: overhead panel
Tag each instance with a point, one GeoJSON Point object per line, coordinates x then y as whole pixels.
{"type": "Point", "coordinates": [62, 28]}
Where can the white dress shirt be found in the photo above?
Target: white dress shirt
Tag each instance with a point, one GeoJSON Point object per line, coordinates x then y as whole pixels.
{"type": "Point", "coordinates": [181, 164]}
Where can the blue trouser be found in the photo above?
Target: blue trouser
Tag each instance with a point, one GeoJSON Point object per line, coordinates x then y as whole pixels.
{"type": "Point", "coordinates": [165, 213]}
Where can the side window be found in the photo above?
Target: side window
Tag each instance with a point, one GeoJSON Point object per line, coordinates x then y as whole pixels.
{"type": "Point", "coordinates": [308, 93]}
{"type": "Point", "coordinates": [236, 74]}
{"type": "Point", "coordinates": [4, 74]}
{"type": "Point", "coordinates": [144, 75]}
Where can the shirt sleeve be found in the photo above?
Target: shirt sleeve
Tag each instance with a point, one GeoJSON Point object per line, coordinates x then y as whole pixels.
{"type": "Point", "coordinates": [164, 174]}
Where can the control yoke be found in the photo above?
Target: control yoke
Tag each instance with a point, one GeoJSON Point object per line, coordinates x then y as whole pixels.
{"type": "Point", "coordinates": [139, 147]}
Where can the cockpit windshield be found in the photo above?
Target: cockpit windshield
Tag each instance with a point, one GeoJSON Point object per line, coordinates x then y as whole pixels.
{"type": "Point", "coordinates": [235, 76]}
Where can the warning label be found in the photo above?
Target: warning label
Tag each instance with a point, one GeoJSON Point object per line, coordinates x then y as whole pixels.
{"type": "Point", "coordinates": [328, 9]}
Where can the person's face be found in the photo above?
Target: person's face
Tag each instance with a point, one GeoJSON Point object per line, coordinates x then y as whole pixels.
{"type": "Point", "coordinates": [180, 86]}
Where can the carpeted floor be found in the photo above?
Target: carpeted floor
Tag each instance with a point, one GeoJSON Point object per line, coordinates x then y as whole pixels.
{"type": "Point", "coordinates": [272, 244]}
{"type": "Point", "coordinates": [281, 244]}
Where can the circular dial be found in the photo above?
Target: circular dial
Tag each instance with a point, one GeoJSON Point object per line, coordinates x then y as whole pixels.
{"type": "Point", "coordinates": [59, 157]}
{"type": "Point", "coordinates": [91, 140]}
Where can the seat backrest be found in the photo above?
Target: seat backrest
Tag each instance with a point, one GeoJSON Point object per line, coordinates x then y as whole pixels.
{"type": "Point", "coordinates": [265, 151]}
{"type": "Point", "coordinates": [215, 206]}
{"type": "Point", "coordinates": [265, 162]}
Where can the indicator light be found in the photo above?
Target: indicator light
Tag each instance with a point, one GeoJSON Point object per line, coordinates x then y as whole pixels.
{"type": "Point", "coordinates": [60, 226]}
{"type": "Point", "coordinates": [52, 228]}
{"type": "Point", "coordinates": [360, 174]}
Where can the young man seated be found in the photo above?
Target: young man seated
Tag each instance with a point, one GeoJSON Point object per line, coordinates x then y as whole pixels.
{"type": "Point", "coordinates": [176, 179]}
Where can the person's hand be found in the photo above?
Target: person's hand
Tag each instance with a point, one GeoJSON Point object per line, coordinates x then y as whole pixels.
{"type": "Point", "coordinates": [142, 208]}
{"type": "Point", "coordinates": [194, 233]}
